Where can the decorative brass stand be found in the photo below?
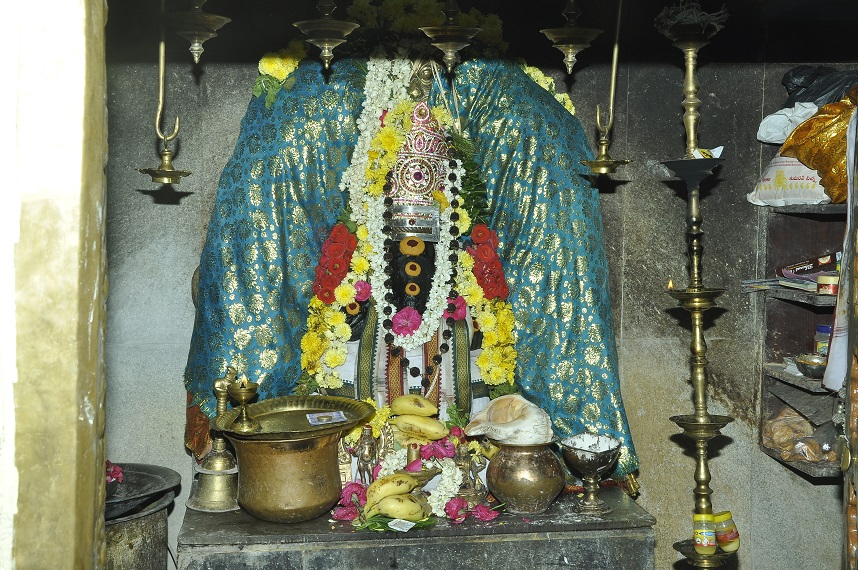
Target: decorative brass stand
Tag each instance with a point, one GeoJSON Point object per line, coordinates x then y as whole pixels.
{"type": "Point", "coordinates": [696, 299]}
{"type": "Point", "coordinates": [700, 426]}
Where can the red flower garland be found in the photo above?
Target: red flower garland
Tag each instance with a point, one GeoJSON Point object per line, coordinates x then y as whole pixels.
{"type": "Point", "coordinates": [487, 265]}
{"type": "Point", "coordinates": [334, 262]}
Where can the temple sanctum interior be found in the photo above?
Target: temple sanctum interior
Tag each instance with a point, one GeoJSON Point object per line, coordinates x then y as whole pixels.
{"type": "Point", "coordinates": [577, 276]}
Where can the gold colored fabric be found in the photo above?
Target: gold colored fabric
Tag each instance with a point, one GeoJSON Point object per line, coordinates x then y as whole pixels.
{"type": "Point", "coordinates": [820, 143]}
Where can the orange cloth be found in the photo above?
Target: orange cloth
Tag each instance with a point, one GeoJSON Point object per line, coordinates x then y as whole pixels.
{"type": "Point", "coordinates": [820, 143]}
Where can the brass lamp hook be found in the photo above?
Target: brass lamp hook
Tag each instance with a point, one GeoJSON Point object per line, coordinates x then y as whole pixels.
{"type": "Point", "coordinates": [161, 72]}
{"type": "Point", "coordinates": [603, 163]}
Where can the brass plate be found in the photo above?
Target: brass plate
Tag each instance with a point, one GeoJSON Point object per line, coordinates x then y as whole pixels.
{"type": "Point", "coordinates": [285, 418]}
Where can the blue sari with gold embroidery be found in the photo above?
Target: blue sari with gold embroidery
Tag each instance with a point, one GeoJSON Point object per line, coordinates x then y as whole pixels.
{"type": "Point", "coordinates": [279, 196]}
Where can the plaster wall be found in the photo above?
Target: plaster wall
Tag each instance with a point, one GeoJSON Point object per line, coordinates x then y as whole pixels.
{"type": "Point", "coordinates": [153, 250]}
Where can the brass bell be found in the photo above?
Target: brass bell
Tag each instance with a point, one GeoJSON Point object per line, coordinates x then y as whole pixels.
{"type": "Point", "coordinates": [215, 486]}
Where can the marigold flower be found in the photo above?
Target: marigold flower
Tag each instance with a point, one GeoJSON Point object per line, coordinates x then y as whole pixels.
{"type": "Point", "coordinates": [335, 357]}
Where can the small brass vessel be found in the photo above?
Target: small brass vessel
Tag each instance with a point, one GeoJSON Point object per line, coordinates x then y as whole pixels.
{"type": "Point", "coordinates": [526, 478]}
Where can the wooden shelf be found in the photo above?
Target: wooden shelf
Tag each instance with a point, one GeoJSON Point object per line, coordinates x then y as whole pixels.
{"type": "Point", "coordinates": [778, 371]}
{"type": "Point", "coordinates": [800, 296]}
{"type": "Point", "coordinates": [817, 408]}
{"type": "Point", "coordinates": [814, 469]}
{"type": "Point", "coordinates": [824, 209]}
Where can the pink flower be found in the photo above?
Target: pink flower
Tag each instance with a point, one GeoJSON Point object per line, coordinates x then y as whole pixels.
{"type": "Point", "coordinates": [457, 432]}
{"type": "Point", "coordinates": [484, 513]}
{"type": "Point", "coordinates": [461, 307]}
{"type": "Point", "coordinates": [353, 489]}
{"type": "Point", "coordinates": [383, 115]}
{"type": "Point", "coordinates": [438, 449]}
{"type": "Point", "coordinates": [362, 291]}
{"type": "Point", "coordinates": [348, 513]}
{"type": "Point", "coordinates": [406, 321]}
{"type": "Point", "coordinates": [375, 471]}
{"type": "Point", "coordinates": [113, 472]}
{"type": "Point", "coordinates": [457, 509]}
{"type": "Point", "coordinates": [415, 466]}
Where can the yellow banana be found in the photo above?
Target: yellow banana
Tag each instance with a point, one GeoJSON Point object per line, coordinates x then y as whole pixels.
{"type": "Point", "coordinates": [405, 506]}
{"type": "Point", "coordinates": [420, 427]}
{"type": "Point", "coordinates": [413, 404]}
{"type": "Point", "coordinates": [406, 439]}
{"type": "Point", "coordinates": [393, 484]}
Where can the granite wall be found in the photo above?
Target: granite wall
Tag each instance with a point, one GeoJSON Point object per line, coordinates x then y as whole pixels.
{"type": "Point", "coordinates": [154, 247]}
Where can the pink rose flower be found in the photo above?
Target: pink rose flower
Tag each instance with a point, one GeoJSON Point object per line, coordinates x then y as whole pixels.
{"type": "Point", "coordinates": [457, 432]}
{"type": "Point", "coordinates": [375, 471]}
{"type": "Point", "coordinates": [406, 321]}
{"type": "Point", "coordinates": [353, 489]}
{"type": "Point", "coordinates": [348, 513]}
{"type": "Point", "coordinates": [484, 513]}
{"type": "Point", "coordinates": [113, 472]}
{"type": "Point", "coordinates": [362, 291]}
{"type": "Point", "coordinates": [438, 449]}
{"type": "Point", "coordinates": [457, 509]}
{"type": "Point", "coordinates": [415, 466]}
{"type": "Point", "coordinates": [461, 307]}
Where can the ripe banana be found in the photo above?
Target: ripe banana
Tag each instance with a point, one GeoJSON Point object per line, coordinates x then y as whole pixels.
{"type": "Point", "coordinates": [419, 426]}
{"type": "Point", "coordinates": [405, 506]}
{"type": "Point", "coordinates": [413, 404]}
{"type": "Point", "coordinates": [406, 439]}
{"type": "Point", "coordinates": [393, 484]}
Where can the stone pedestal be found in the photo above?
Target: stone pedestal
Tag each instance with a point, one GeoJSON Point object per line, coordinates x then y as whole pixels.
{"type": "Point", "coordinates": [559, 537]}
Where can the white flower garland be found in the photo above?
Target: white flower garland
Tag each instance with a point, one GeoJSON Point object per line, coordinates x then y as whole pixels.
{"type": "Point", "coordinates": [386, 85]}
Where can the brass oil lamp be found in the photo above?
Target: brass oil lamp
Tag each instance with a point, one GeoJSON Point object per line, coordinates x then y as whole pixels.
{"type": "Point", "coordinates": [165, 173]}
{"type": "Point", "coordinates": [326, 33]}
{"type": "Point", "coordinates": [701, 426]}
{"type": "Point", "coordinates": [449, 37]}
{"type": "Point", "coordinates": [571, 38]}
{"type": "Point", "coordinates": [197, 26]}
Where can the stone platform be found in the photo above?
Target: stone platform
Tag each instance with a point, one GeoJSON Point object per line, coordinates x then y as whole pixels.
{"type": "Point", "coordinates": [558, 538]}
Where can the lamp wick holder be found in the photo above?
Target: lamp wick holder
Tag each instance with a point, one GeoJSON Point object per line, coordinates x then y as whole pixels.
{"type": "Point", "coordinates": [243, 392]}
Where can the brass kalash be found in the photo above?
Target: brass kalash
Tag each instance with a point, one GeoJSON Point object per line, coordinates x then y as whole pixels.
{"type": "Point", "coordinates": [701, 426]}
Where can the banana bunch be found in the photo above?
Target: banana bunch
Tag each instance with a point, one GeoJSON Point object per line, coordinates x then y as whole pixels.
{"type": "Point", "coordinates": [391, 496]}
{"type": "Point", "coordinates": [406, 507]}
{"type": "Point", "coordinates": [413, 420]}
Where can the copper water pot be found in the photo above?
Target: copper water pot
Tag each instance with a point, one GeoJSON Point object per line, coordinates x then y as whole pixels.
{"type": "Point", "coordinates": [526, 478]}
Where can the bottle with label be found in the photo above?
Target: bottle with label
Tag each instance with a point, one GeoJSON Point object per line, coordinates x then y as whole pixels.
{"type": "Point", "coordinates": [726, 533]}
{"type": "Point", "coordinates": [704, 534]}
{"type": "Point", "coordinates": [821, 338]}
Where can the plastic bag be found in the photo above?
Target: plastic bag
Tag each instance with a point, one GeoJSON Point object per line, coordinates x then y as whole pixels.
{"type": "Point", "coordinates": [819, 84]}
{"type": "Point", "coordinates": [775, 128]}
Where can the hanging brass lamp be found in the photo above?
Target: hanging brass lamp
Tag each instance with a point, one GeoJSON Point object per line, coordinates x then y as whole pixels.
{"type": "Point", "coordinates": [197, 26]}
{"type": "Point", "coordinates": [450, 38]}
{"type": "Point", "coordinates": [603, 163]}
{"type": "Point", "coordinates": [571, 38]}
{"type": "Point", "coordinates": [164, 173]}
{"type": "Point", "coordinates": [326, 33]}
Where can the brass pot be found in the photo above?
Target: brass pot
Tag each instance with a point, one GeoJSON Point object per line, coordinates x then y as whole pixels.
{"type": "Point", "coordinates": [288, 469]}
{"type": "Point", "coordinates": [526, 478]}
{"type": "Point", "coordinates": [287, 480]}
